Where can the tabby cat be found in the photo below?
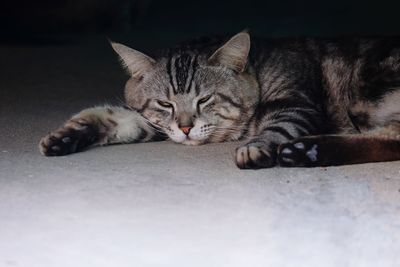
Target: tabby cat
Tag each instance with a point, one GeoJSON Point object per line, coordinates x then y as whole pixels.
{"type": "Point", "coordinates": [295, 102]}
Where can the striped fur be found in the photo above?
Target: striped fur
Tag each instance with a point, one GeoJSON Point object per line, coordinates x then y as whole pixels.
{"type": "Point", "coordinates": [296, 102]}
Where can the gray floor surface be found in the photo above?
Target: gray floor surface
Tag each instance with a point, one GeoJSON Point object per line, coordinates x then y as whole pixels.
{"type": "Point", "coordinates": [163, 204]}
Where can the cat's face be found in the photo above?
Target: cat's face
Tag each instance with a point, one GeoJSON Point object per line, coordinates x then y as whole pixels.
{"type": "Point", "coordinates": [194, 98]}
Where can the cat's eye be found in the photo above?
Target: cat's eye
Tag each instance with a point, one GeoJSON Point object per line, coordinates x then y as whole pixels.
{"type": "Point", "coordinates": [165, 104]}
{"type": "Point", "coordinates": [204, 99]}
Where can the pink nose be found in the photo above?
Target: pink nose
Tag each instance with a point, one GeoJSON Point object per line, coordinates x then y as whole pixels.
{"type": "Point", "coordinates": [185, 130]}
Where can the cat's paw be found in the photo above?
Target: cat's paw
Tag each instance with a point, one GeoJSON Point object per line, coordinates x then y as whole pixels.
{"type": "Point", "coordinates": [73, 137]}
{"type": "Point", "coordinates": [254, 156]}
{"type": "Point", "coordinates": [302, 152]}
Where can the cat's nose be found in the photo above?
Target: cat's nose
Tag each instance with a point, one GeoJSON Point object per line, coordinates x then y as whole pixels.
{"type": "Point", "coordinates": [186, 130]}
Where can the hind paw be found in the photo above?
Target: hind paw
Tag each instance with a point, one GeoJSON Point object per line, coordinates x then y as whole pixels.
{"type": "Point", "coordinates": [302, 152]}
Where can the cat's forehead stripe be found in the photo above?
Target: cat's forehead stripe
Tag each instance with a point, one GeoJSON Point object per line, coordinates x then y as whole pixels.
{"type": "Point", "coordinates": [181, 69]}
{"type": "Point", "coordinates": [194, 67]}
{"type": "Point", "coordinates": [182, 66]}
{"type": "Point", "coordinates": [169, 71]}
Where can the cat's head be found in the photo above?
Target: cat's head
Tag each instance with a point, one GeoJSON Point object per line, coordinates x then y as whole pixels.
{"type": "Point", "coordinates": [194, 97]}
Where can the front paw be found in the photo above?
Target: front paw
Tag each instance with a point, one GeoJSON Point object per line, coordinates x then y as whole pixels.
{"type": "Point", "coordinates": [73, 137]}
{"type": "Point", "coordinates": [255, 156]}
{"type": "Point", "coordinates": [302, 152]}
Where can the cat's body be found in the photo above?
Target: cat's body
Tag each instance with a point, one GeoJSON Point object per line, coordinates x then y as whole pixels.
{"type": "Point", "coordinates": [298, 102]}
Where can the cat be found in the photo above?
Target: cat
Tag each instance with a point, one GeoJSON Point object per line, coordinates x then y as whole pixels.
{"type": "Point", "coordinates": [296, 102]}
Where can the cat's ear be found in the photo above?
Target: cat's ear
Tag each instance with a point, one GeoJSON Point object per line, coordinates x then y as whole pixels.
{"type": "Point", "coordinates": [134, 61]}
{"type": "Point", "coordinates": [234, 53]}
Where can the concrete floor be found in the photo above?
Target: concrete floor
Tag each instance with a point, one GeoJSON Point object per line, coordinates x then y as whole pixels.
{"type": "Point", "coordinates": [163, 204]}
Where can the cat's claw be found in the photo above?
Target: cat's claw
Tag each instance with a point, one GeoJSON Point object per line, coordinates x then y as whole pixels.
{"type": "Point", "coordinates": [254, 156]}
{"type": "Point", "coordinates": [71, 138]}
{"type": "Point", "coordinates": [298, 153]}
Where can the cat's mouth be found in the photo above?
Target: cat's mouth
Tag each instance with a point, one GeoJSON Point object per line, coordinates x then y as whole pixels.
{"type": "Point", "coordinates": [197, 135]}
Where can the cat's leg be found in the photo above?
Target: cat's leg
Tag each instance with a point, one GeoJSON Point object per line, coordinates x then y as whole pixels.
{"type": "Point", "coordinates": [98, 126]}
{"type": "Point", "coordinates": [332, 150]}
{"type": "Point", "coordinates": [276, 126]}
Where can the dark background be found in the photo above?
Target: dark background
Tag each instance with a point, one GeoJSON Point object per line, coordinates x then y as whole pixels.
{"type": "Point", "coordinates": [47, 21]}
{"type": "Point", "coordinates": [55, 58]}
